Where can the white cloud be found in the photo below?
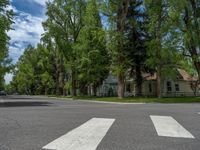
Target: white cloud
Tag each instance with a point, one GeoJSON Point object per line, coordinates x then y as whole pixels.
{"type": "Point", "coordinates": [27, 30]}
{"type": "Point", "coordinates": [41, 2]}
{"type": "Point", "coordinates": [8, 78]}
{"type": "Point", "coordinates": [16, 52]}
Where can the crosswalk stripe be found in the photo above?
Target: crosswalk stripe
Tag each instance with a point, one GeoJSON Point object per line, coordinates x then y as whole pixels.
{"type": "Point", "coordinates": [169, 127]}
{"type": "Point", "coordinates": [85, 137]}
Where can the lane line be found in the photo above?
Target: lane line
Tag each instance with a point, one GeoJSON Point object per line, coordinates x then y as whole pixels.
{"type": "Point", "coordinates": [169, 127]}
{"type": "Point", "coordinates": [199, 113]}
{"type": "Point", "coordinates": [85, 137]}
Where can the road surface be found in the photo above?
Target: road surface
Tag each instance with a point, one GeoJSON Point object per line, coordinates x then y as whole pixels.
{"type": "Point", "coordinates": [39, 123]}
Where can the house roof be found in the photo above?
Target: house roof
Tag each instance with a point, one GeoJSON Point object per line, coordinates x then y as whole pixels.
{"type": "Point", "coordinates": [183, 75]}
{"type": "Point", "coordinates": [148, 76]}
{"type": "Point", "coordinates": [186, 76]}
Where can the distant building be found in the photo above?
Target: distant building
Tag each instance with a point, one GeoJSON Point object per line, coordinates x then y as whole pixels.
{"type": "Point", "coordinates": [109, 87]}
{"type": "Point", "coordinates": [183, 85]}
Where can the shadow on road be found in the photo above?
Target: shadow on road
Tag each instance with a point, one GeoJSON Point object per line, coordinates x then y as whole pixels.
{"type": "Point", "coordinates": [24, 104]}
{"type": "Point", "coordinates": [15, 97]}
{"type": "Point", "coordinates": [19, 97]}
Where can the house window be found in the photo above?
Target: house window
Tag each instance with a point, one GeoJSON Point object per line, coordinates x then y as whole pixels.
{"type": "Point", "coordinates": [177, 88]}
{"type": "Point", "coordinates": [169, 86]}
{"type": "Point", "coordinates": [150, 87]}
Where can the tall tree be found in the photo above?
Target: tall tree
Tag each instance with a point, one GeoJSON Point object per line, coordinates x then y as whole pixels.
{"type": "Point", "coordinates": [136, 36]}
{"type": "Point", "coordinates": [94, 60]}
{"type": "Point", "coordinates": [6, 16]}
{"type": "Point", "coordinates": [117, 12]}
{"type": "Point", "coordinates": [64, 23]}
{"type": "Point", "coordinates": [34, 72]}
{"type": "Point", "coordinates": [187, 20]}
{"type": "Point", "coordinates": [46, 63]}
{"type": "Point", "coordinates": [25, 74]}
{"type": "Point", "coordinates": [161, 51]}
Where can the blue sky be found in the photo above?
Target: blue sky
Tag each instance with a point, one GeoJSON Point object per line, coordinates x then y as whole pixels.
{"type": "Point", "coordinates": [27, 27]}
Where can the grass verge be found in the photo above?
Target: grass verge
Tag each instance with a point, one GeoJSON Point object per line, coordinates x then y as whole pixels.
{"type": "Point", "coordinates": [136, 99]}
{"type": "Point", "coordinates": [152, 100]}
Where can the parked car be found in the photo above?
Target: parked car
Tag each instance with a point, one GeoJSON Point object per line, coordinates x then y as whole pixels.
{"type": "Point", "coordinates": [3, 93]}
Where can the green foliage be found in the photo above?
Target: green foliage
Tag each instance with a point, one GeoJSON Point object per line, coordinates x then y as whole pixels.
{"type": "Point", "coordinates": [33, 74]}
{"type": "Point", "coordinates": [162, 53]}
{"type": "Point", "coordinates": [74, 48]}
{"type": "Point", "coordinates": [162, 48]}
{"type": "Point", "coordinates": [188, 28]}
{"type": "Point", "coordinates": [63, 26]}
{"type": "Point", "coordinates": [117, 13]}
{"type": "Point", "coordinates": [93, 56]}
{"type": "Point", "coordinates": [78, 51]}
{"type": "Point", "coordinates": [5, 23]}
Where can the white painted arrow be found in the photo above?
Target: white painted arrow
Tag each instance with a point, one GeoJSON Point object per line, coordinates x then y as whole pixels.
{"type": "Point", "coordinates": [85, 137]}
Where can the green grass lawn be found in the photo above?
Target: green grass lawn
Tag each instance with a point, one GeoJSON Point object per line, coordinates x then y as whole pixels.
{"type": "Point", "coordinates": [152, 100]}
{"type": "Point", "coordinates": [137, 100]}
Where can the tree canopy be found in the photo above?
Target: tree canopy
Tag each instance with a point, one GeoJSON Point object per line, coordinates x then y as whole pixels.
{"type": "Point", "coordinates": [6, 16]}
{"type": "Point", "coordinates": [85, 41]}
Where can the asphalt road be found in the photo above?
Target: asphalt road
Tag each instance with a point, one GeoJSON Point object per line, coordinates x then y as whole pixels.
{"type": "Point", "coordinates": [30, 123]}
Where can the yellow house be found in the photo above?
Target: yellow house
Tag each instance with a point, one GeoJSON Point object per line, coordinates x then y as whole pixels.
{"type": "Point", "coordinates": [183, 85]}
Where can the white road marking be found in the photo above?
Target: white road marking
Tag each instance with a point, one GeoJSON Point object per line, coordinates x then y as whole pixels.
{"type": "Point", "coordinates": [169, 127]}
{"type": "Point", "coordinates": [85, 137]}
{"type": "Point", "coordinates": [103, 102]}
{"type": "Point", "coordinates": [199, 113]}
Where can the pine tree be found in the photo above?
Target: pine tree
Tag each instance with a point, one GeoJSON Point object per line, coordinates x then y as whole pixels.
{"type": "Point", "coordinates": [136, 36]}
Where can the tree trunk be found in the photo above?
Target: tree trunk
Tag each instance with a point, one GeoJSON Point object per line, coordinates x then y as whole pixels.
{"type": "Point", "coordinates": [83, 88]}
{"type": "Point", "coordinates": [138, 81]}
{"type": "Point", "coordinates": [159, 50]}
{"type": "Point", "coordinates": [197, 66]}
{"type": "Point", "coordinates": [193, 50]}
{"type": "Point", "coordinates": [57, 82]}
{"type": "Point", "coordinates": [120, 88]}
{"type": "Point", "coordinates": [89, 90]}
{"type": "Point", "coordinates": [74, 83]}
{"type": "Point", "coordinates": [94, 90]}
{"type": "Point", "coordinates": [159, 91]}
{"type": "Point", "coordinates": [62, 76]}
{"type": "Point", "coordinates": [57, 73]}
{"type": "Point", "coordinates": [46, 90]}
{"type": "Point", "coordinates": [121, 17]}
{"type": "Point", "coordinates": [64, 92]}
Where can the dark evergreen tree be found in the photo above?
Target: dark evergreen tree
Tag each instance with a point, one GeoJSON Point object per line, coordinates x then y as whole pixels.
{"type": "Point", "coordinates": [136, 36]}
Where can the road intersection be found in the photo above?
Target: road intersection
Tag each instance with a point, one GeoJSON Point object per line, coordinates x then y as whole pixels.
{"type": "Point", "coordinates": [36, 123]}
